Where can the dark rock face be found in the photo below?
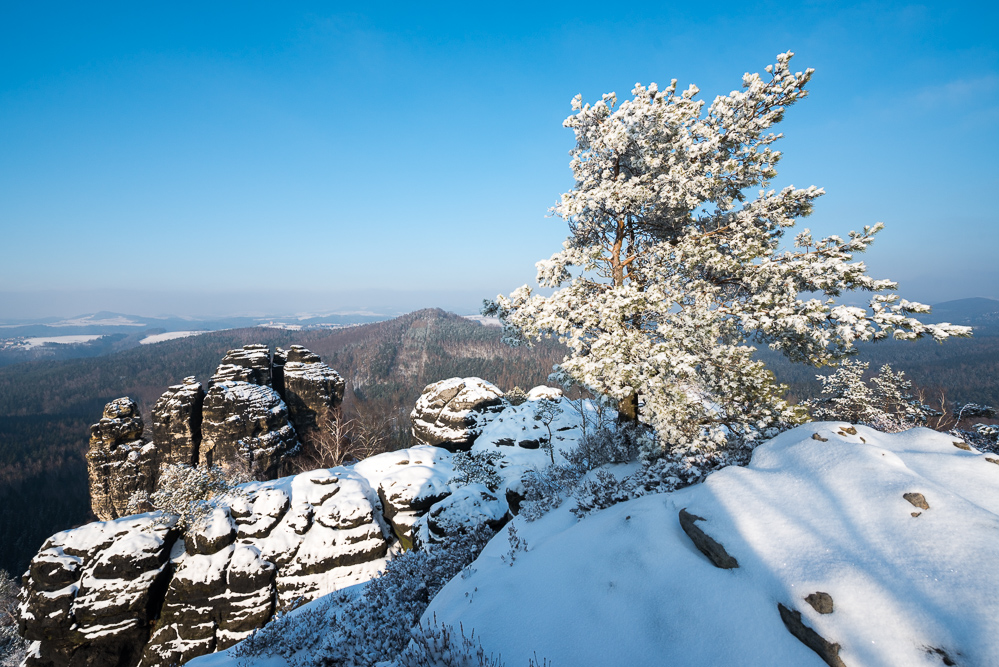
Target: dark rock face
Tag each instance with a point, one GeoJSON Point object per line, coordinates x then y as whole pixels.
{"type": "Point", "coordinates": [251, 363]}
{"type": "Point", "coordinates": [310, 388]}
{"type": "Point", "coordinates": [245, 422]}
{"type": "Point", "coordinates": [119, 462]}
{"type": "Point", "coordinates": [917, 500]}
{"type": "Point", "coordinates": [447, 413]}
{"type": "Point", "coordinates": [705, 543]}
{"type": "Point", "coordinates": [828, 651]}
{"type": "Point", "coordinates": [91, 594]}
{"type": "Point", "coordinates": [177, 422]}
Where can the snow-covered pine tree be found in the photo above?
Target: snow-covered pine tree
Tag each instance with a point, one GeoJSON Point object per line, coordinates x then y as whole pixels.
{"type": "Point", "coordinates": [674, 265]}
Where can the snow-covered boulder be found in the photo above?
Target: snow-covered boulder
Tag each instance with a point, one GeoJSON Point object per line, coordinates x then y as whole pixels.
{"type": "Point", "coordinates": [813, 524]}
{"type": "Point", "coordinates": [408, 483]}
{"type": "Point", "coordinates": [96, 587]}
{"type": "Point", "coordinates": [448, 412]}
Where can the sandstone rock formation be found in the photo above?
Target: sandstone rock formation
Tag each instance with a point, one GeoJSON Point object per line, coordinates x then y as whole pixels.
{"type": "Point", "coordinates": [91, 593]}
{"type": "Point", "coordinates": [310, 388]}
{"type": "Point", "coordinates": [251, 363]}
{"type": "Point", "coordinates": [247, 423]}
{"type": "Point", "coordinates": [119, 461]}
{"type": "Point", "coordinates": [129, 592]}
{"type": "Point", "coordinates": [244, 419]}
{"type": "Point", "coordinates": [177, 422]}
{"type": "Point", "coordinates": [447, 413]}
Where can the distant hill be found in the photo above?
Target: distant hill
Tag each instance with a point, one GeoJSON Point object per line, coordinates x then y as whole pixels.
{"type": "Point", "coordinates": [46, 407]}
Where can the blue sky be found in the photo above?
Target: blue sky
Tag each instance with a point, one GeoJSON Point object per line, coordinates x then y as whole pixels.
{"type": "Point", "coordinates": [293, 157]}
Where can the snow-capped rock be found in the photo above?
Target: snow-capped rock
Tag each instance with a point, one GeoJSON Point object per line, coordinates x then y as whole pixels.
{"type": "Point", "coordinates": [447, 412]}
{"type": "Point", "coordinates": [119, 462]}
{"type": "Point", "coordinates": [248, 423]}
{"type": "Point", "coordinates": [309, 387]}
{"type": "Point", "coordinates": [177, 422]}
{"type": "Point", "coordinates": [250, 363]}
{"type": "Point", "coordinates": [98, 587]}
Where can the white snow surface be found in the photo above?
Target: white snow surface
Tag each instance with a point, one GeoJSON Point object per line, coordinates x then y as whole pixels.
{"type": "Point", "coordinates": [626, 585]}
{"type": "Point", "coordinates": [169, 335]}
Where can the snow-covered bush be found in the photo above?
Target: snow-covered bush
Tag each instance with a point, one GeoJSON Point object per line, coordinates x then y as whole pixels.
{"type": "Point", "coordinates": [373, 626]}
{"type": "Point", "coordinates": [516, 396]}
{"type": "Point", "coordinates": [675, 265]}
{"type": "Point", "coordinates": [434, 645]}
{"type": "Point", "coordinates": [660, 475]}
{"type": "Point", "coordinates": [190, 492]}
{"type": "Point", "coordinates": [886, 403]}
{"type": "Point", "coordinates": [546, 488]}
{"type": "Point", "coordinates": [477, 468]}
{"type": "Point", "coordinates": [12, 648]}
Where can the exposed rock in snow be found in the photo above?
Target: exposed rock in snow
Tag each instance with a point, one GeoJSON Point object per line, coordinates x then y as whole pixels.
{"type": "Point", "coordinates": [177, 422]}
{"type": "Point", "coordinates": [119, 462]}
{"type": "Point", "coordinates": [310, 388]}
{"type": "Point", "coordinates": [251, 363]}
{"type": "Point", "coordinates": [408, 483]}
{"type": "Point", "coordinates": [91, 594]}
{"type": "Point", "coordinates": [448, 412]}
{"type": "Point", "coordinates": [249, 423]}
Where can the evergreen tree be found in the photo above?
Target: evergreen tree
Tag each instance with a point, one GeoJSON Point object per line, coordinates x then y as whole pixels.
{"type": "Point", "coordinates": [674, 265]}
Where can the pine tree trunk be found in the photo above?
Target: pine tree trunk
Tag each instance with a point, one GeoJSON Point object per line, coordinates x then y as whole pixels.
{"type": "Point", "coordinates": [627, 409]}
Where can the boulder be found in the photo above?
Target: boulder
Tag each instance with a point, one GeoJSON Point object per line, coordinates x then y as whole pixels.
{"type": "Point", "coordinates": [177, 422]}
{"type": "Point", "coordinates": [309, 387]}
{"type": "Point", "coordinates": [248, 424]}
{"type": "Point", "coordinates": [251, 363]}
{"type": "Point", "coordinates": [449, 413]}
{"type": "Point", "coordinates": [462, 512]}
{"type": "Point", "coordinates": [119, 462]}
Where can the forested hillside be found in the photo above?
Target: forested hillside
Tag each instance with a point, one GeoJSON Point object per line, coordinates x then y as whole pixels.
{"type": "Point", "coordinates": [46, 407]}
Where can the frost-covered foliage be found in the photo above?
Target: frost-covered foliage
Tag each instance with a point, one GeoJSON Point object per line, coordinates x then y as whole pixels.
{"type": "Point", "coordinates": [12, 648]}
{"type": "Point", "coordinates": [886, 403]}
{"type": "Point", "coordinates": [547, 488]}
{"type": "Point", "coordinates": [675, 265]}
{"type": "Point", "coordinates": [516, 396]}
{"type": "Point", "coordinates": [546, 410]}
{"type": "Point", "coordinates": [477, 468]}
{"type": "Point", "coordinates": [374, 626]}
{"type": "Point", "coordinates": [190, 492]}
{"type": "Point", "coordinates": [434, 645]}
{"type": "Point", "coordinates": [661, 475]}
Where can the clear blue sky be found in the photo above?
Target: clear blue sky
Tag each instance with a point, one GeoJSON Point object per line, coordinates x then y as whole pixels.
{"type": "Point", "coordinates": [289, 155]}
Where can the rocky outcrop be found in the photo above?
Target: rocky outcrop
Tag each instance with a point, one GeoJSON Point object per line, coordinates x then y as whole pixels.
{"type": "Point", "coordinates": [177, 422]}
{"type": "Point", "coordinates": [138, 591]}
{"type": "Point", "coordinates": [91, 594]}
{"type": "Point", "coordinates": [247, 423]}
{"type": "Point", "coordinates": [119, 462]}
{"type": "Point", "coordinates": [448, 412]}
{"type": "Point", "coordinates": [250, 363]}
{"type": "Point", "coordinates": [706, 544]}
{"type": "Point", "coordinates": [309, 387]}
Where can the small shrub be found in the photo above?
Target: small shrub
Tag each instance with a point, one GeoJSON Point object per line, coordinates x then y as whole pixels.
{"type": "Point", "coordinates": [436, 645]}
{"type": "Point", "coordinates": [189, 492]}
{"type": "Point", "coordinates": [477, 468]}
{"type": "Point", "coordinates": [516, 396]}
{"type": "Point", "coordinates": [13, 649]}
